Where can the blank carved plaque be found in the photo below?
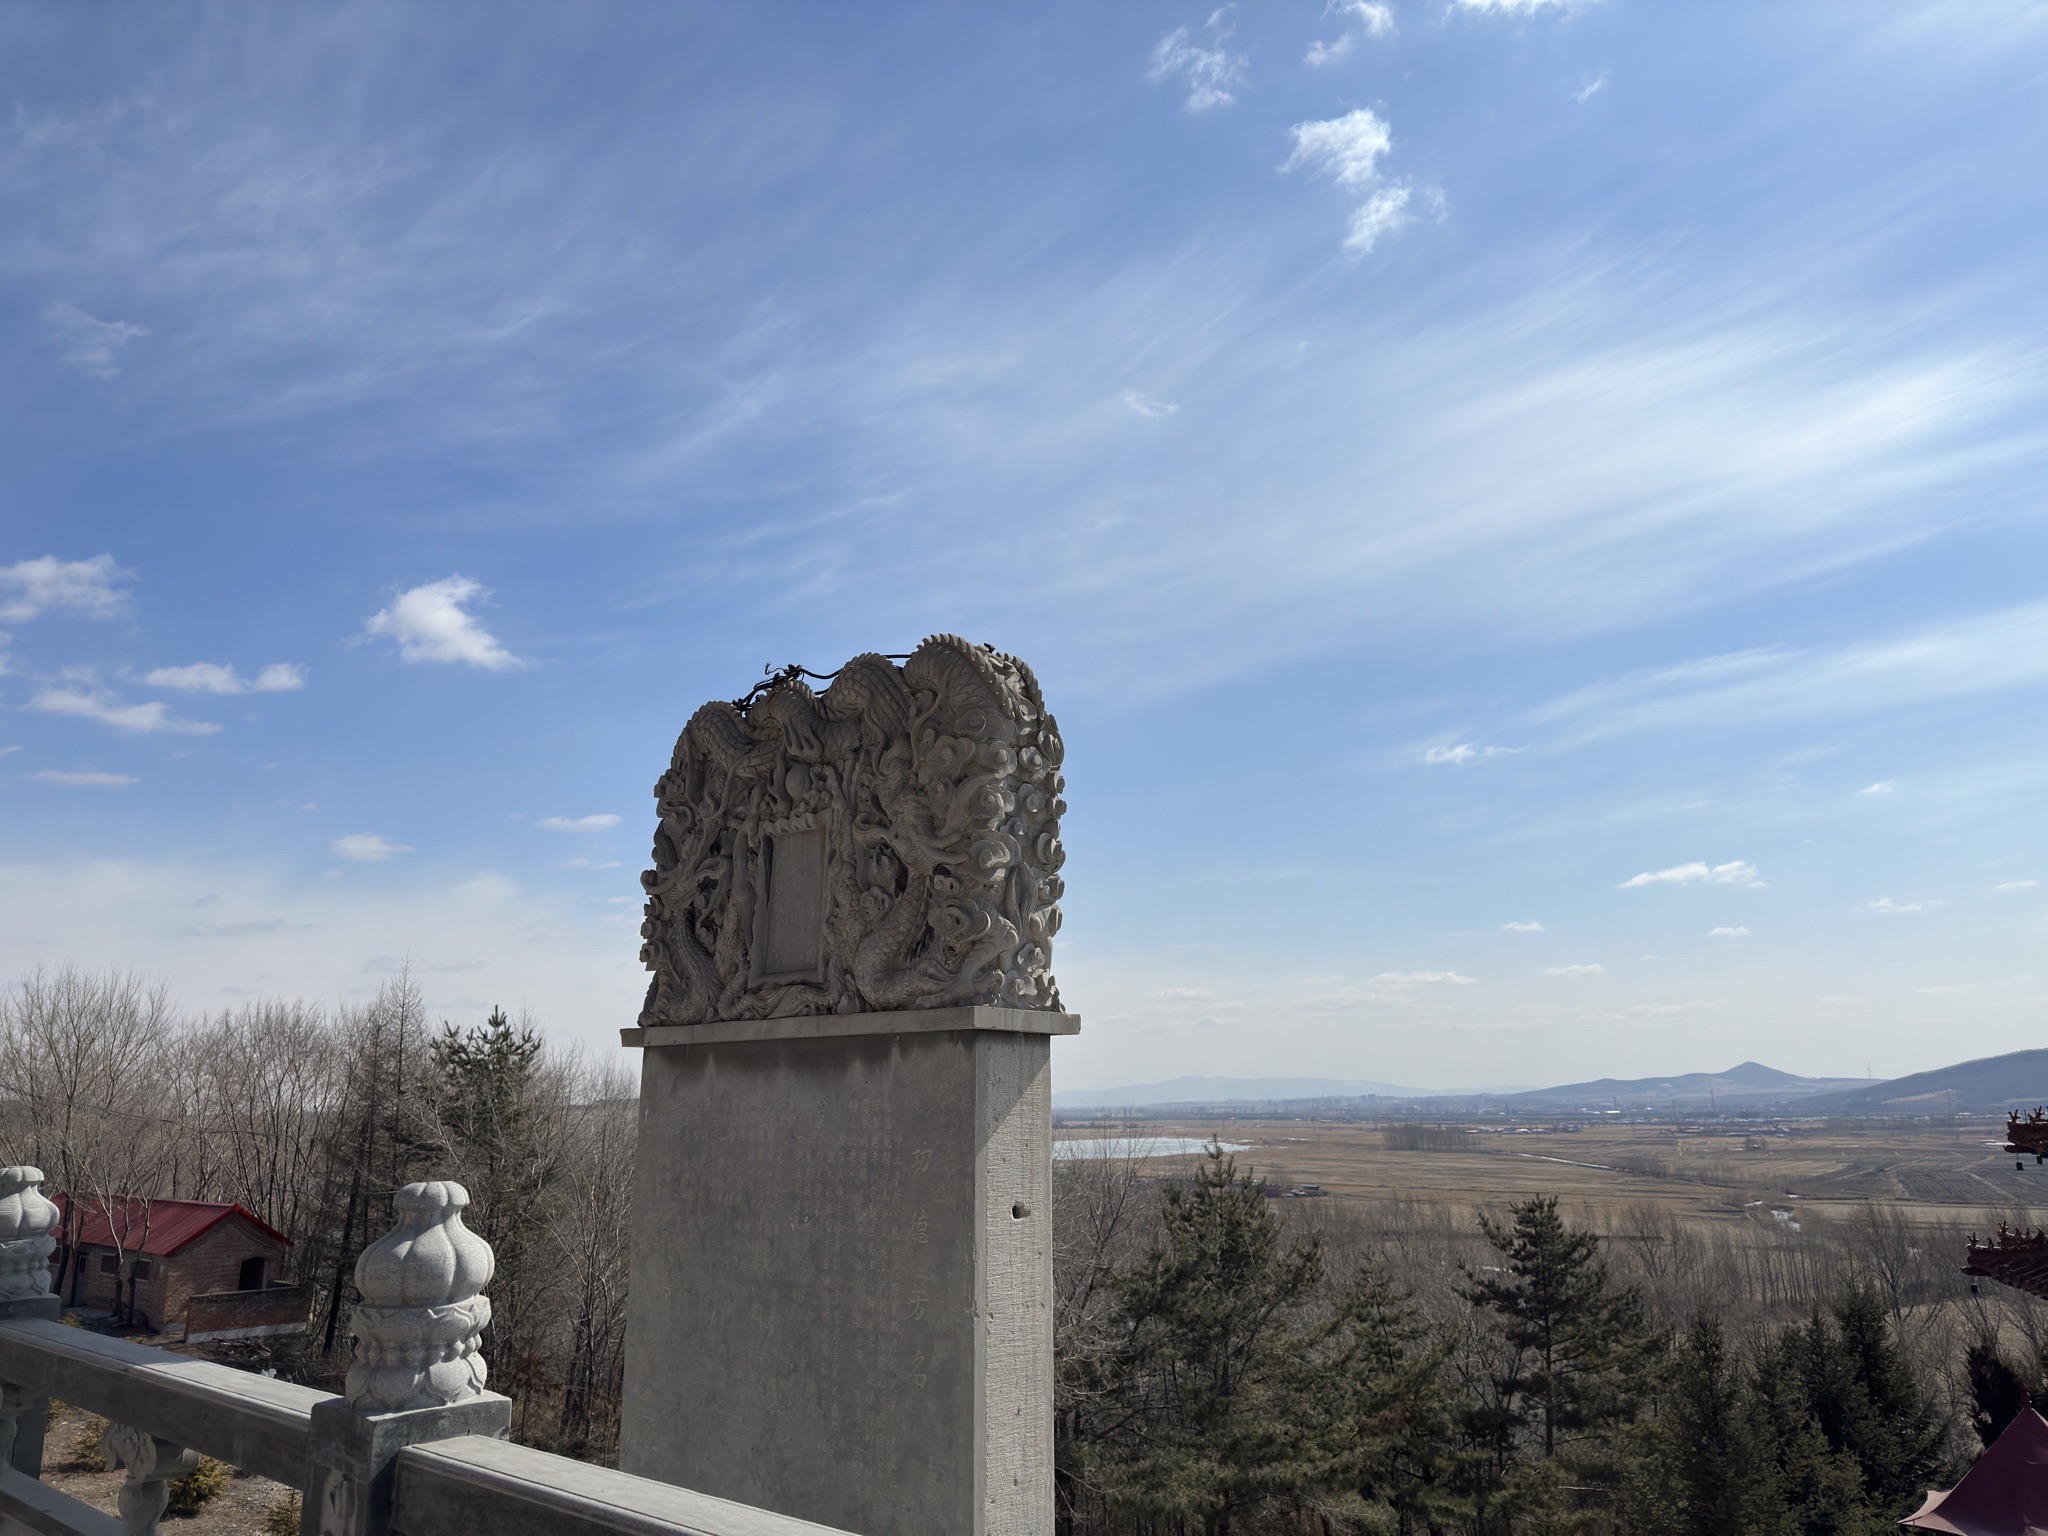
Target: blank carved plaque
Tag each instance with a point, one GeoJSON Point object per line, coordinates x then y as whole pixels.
{"type": "Point", "coordinates": [792, 943]}
{"type": "Point", "coordinates": [891, 842]}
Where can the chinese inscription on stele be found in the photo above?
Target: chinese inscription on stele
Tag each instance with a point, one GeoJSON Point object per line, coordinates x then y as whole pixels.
{"type": "Point", "coordinates": [891, 842]}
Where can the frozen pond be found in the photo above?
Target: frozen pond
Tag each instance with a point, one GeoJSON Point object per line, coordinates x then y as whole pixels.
{"type": "Point", "coordinates": [1140, 1146]}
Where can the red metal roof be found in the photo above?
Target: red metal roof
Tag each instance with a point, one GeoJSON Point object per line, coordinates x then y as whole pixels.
{"type": "Point", "coordinates": [2004, 1494]}
{"type": "Point", "coordinates": [158, 1227]}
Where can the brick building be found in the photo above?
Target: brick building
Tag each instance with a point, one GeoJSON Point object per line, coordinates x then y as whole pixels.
{"type": "Point", "coordinates": [170, 1251]}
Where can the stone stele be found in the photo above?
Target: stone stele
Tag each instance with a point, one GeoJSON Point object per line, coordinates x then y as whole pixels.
{"type": "Point", "coordinates": [890, 843]}
{"type": "Point", "coordinates": [841, 1298]}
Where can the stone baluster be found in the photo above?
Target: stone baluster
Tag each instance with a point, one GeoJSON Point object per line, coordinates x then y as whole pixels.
{"type": "Point", "coordinates": [27, 1221]}
{"type": "Point", "coordinates": [423, 1313]}
{"type": "Point", "coordinates": [22, 1417]}
{"type": "Point", "coordinates": [152, 1465]}
{"type": "Point", "coordinates": [417, 1375]}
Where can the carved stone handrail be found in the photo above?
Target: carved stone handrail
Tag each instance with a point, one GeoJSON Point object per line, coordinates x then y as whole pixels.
{"type": "Point", "coordinates": [474, 1484]}
{"type": "Point", "coordinates": [469, 1483]}
{"type": "Point", "coordinates": [235, 1416]}
{"type": "Point", "coordinates": [437, 1466]}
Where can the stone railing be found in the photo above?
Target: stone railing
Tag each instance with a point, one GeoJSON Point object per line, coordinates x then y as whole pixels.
{"type": "Point", "coordinates": [415, 1445]}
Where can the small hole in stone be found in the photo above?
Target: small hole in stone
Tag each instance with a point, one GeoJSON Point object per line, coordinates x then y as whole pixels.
{"type": "Point", "coordinates": [1019, 1211]}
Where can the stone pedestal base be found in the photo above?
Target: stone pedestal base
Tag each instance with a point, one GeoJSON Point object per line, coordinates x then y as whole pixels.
{"type": "Point", "coordinates": [841, 1303]}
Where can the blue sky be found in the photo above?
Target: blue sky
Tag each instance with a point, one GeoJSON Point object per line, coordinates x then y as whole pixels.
{"type": "Point", "coordinates": [1529, 514]}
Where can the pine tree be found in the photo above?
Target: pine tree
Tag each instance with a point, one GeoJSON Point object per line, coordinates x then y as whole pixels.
{"type": "Point", "coordinates": [1227, 1404]}
{"type": "Point", "coordinates": [1399, 1409]}
{"type": "Point", "coordinates": [1896, 1436]}
{"type": "Point", "coordinates": [1821, 1487]}
{"type": "Point", "coordinates": [1578, 1353]}
{"type": "Point", "coordinates": [485, 1096]}
{"type": "Point", "coordinates": [1997, 1391]}
{"type": "Point", "coordinates": [1856, 1441]}
{"type": "Point", "coordinates": [1710, 1472]}
{"type": "Point", "coordinates": [1582, 1346]}
{"type": "Point", "coordinates": [495, 1112]}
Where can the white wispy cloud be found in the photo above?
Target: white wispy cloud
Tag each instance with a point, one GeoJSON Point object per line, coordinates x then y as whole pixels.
{"type": "Point", "coordinates": [1727, 933]}
{"type": "Point", "coordinates": [1518, 7]}
{"type": "Point", "coordinates": [597, 823]}
{"type": "Point", "coordinates": [1421, 979]}
{"type": "Point", "coordinates": [1589, 969]}
{"type": "Point", "coordinates": [38, 586]}
{"type": "Point", "coordinates": [1151, 407]}
{"type": "Point", "coordinates": [1347, 149]}
{"type": "Point", "coordinates": [81, 780]}
{"type": "Point", "coordinates": [1381, 214]}
{"type": "Point", "coordinates": [1886, 905]}
{"type": "Point", "coordinates": [1881, 787]}
{"type": "Point", "coordinates": [1735, 872]}
{"type": "Point", "coordinates": [432, 622]}
{"type": "Point", "coordinates": [1531, 926]}
{"type": "Point", "coordinates": [211, 677]}
{"type": "Point", "coordinates": [1373, 18]}
{"type": "Point", "coordinates": [1988, 653]}
{"type": "Point", "coordinates": [1591, 88]}
{"type": "Point", "coordinates": [1370, 17]}
{"type": "Point", "coordinates": [392, 965]}
{"type": "Point", "coordinates": [367, 847]}
{"type": "Point", "coordinates": [1673, 1010]}
{"type": "Point", "coordinates": [1212, 74]}
{"type": "Point", "coordinates": [90, 345]}
{"type": "Point", "coordinates": [2015, 885]}
{"type": "Point", "coordinates": [1551, 450]}
{"type": "Point", "coordinates": [98, 704]}
{"type": "Point", "coordinates": [1465, 752]}
{"type": "Point", "coordinates": [246, 929]}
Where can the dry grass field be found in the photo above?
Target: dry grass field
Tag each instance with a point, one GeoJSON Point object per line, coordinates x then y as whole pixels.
{"type": "Point", "coordinates": [1932, 1175]}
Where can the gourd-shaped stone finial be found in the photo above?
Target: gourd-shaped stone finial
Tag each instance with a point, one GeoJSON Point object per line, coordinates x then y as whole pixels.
{"type": "Point", "coordinates": [417, 1325]}
{"type": "Point", "coordinates": [26, 1222]}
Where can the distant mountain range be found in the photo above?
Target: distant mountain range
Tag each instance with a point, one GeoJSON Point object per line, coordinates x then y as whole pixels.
{"type": "Point", "coordinates": [2017, 1080]}
{"type": "Point", "coordinates": [1243, 1090]}
{"type": "Point", "coordinates": [1746, 1086]}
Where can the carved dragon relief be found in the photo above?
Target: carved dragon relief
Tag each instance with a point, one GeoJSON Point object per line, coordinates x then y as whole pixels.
{"type": "Point", "coordinates": [937, 790]}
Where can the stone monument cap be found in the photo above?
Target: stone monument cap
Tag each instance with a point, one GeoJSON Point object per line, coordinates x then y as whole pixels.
{"type": "Point", "coordinates": [888, 845]}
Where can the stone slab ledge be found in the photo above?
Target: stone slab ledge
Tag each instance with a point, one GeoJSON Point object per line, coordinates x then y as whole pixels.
{"type": "Point", "coordinates": [908, 1021]}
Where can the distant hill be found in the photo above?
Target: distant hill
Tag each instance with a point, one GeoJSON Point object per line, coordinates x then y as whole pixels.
{"type": "Point", "coordinates": [1750, 1085]}
{"type": "Point", "coordinates": [1229, 1090]}
{"type": "Point", "coordinates": [2016, 1080]}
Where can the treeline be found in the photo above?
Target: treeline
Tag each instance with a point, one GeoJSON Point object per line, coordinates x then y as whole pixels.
{"type": "Point", "coordinates": [310, 1118]}
{"type": "Point", "coordinates": [1228, 1363]}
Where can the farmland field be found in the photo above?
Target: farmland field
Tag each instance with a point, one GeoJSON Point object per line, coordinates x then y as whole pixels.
{"type": "Point", "coordinates": [1932, 1174]}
